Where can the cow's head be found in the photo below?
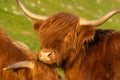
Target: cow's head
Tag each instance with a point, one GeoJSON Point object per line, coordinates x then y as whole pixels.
{"type": "Point", "coordinates": [63, 34]}
{"type": "Point", "coordinates": [35, 70]}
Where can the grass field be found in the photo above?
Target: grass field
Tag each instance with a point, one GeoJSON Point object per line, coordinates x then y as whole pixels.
{"type": "Point", "coordinates": [20, 28]}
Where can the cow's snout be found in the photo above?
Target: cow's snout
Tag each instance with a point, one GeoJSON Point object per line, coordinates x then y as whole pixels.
{"type": "Point", "coordinates": [45, 56]}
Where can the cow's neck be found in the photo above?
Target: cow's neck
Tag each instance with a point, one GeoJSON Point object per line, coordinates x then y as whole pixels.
{"type": "Point", "coordinates": [82, 66]}
{"type": "Point", "coordinates": [71, 65]}
{"type": "Point", "coordinates": [72, 68]}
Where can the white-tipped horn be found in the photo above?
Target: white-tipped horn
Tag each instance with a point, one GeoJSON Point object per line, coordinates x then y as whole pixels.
{"type": "Point", "coordinates": [30, 14]}
{"type": "Point", "coordinates": [99, 21]}
{"type": "Point", "coordinates": [22, 64]}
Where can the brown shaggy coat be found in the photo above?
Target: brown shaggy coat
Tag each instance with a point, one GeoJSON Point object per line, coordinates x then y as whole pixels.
{"type": "Point", "coordinates": [83, 52]}
{"type": "Point", "coordinates": [10, 53]}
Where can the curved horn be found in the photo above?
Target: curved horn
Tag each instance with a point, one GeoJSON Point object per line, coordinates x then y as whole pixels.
{"type": "Point", "coordinates": [99, 21]}
{"type": "Point", "coordinates": [22, 64]}
{"type": "Point", "coordinates": [30, 14]}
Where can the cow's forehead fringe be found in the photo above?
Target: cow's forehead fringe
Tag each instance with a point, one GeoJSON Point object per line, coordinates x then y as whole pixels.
{"type": "Point", "coordinates": [57, 26]}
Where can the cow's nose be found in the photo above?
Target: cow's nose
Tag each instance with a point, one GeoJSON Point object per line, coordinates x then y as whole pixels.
{"type": "Point", "coordinates": [45, 56]}
{"type": "Point", "coordinates": [48, 54]}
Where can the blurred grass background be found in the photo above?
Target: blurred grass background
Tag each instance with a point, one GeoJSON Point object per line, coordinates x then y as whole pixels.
{"type": "Point", "coordinates": [20, 28]}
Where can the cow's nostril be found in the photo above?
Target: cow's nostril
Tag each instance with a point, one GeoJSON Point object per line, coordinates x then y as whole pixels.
{"type": "Point", "coordinates": [49, 55]}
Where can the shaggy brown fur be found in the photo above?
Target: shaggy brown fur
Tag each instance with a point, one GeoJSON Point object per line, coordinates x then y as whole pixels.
{"type": "Point", "coordinates": [10, 53]}
{"type": "Point", "coordinates": [83, 52]}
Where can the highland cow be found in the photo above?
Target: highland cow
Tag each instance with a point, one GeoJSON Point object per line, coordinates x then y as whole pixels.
{"type": "Point", "coordinates": [17, 63]}
{"type": "Point", "coordinates": [76, 46]}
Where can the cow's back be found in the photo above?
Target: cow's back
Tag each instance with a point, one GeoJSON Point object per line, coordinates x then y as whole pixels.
{"type": "Point", "coordinates": [103, 56]}
{"type": "Point", "coordinates": [9, 54]}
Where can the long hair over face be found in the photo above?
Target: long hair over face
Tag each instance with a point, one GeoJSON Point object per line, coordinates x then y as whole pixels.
{"type": "Point", "coordinates": [53, 31]}
{"type": "Point", "coordinates": [63, 35]}
{"type": "Point", "coordinates": [55, 28]}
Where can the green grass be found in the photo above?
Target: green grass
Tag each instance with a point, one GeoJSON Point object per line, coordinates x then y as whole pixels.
{"type": "Point", "coordinates": [20, 28]}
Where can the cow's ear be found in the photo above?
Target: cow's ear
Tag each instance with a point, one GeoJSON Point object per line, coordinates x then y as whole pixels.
{"type": "Point", "coordinates": [37, 25]}
{"type": "Point", "coordinates": [89, 33]}
{"type": "Point", "coordinates": [86, 33]}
